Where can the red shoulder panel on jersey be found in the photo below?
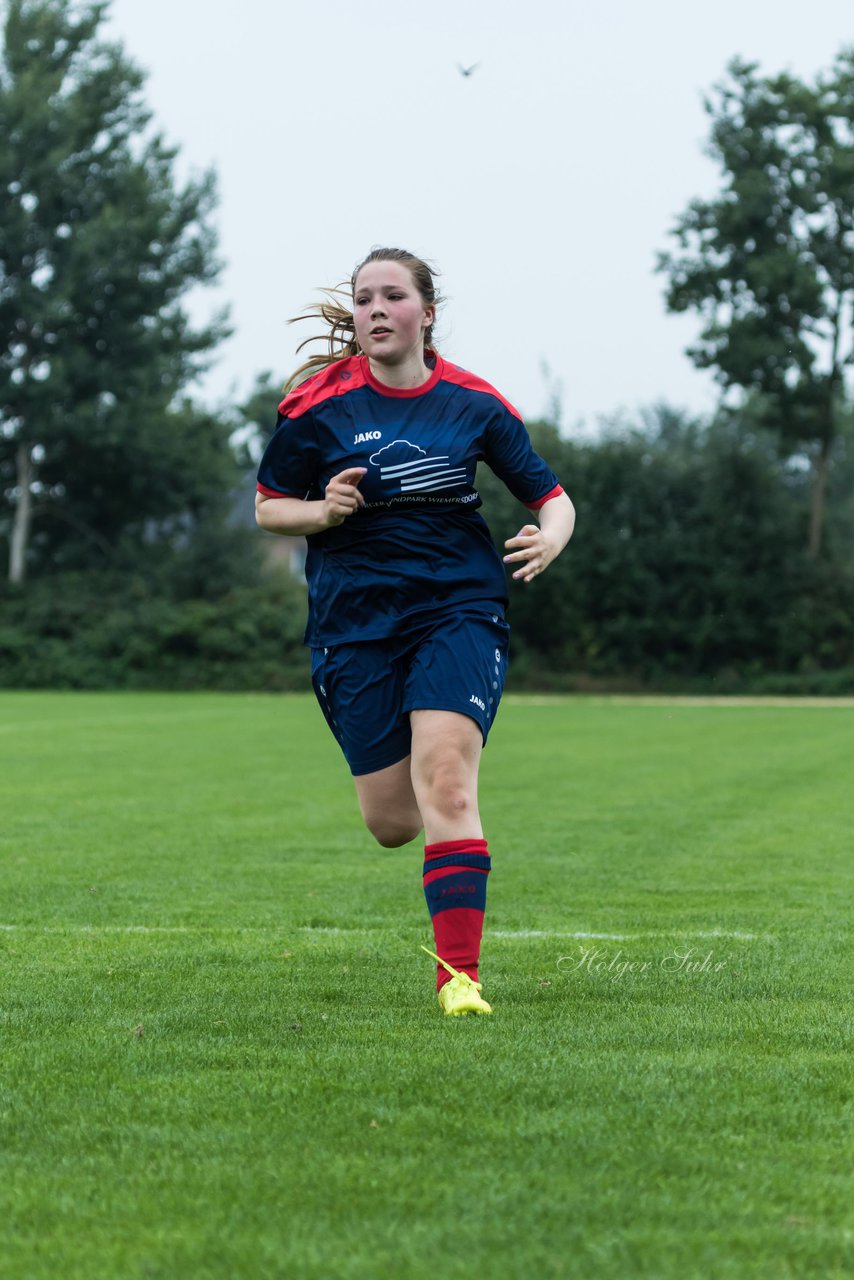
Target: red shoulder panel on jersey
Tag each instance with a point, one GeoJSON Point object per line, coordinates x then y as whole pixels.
{"type": "Point", "coordinates": [541, 502]}
{"type": "Point", "coordinates": [462, 378]}
{"type": "Point", "coordinates": [335, 380]}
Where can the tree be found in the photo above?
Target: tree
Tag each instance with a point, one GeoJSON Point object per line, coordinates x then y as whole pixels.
{"type": "Point", "coordinates": [98, 247]}
{"type": "Point", "coordinates": [769, 264]}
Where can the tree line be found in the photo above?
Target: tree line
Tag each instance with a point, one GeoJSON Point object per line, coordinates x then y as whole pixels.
{"type": "Point", "coordinates": [709, 554]}
{"type": "Point", "coordinates": [690, 571]}
{"type": "Point", "coordinates": [691, 567]}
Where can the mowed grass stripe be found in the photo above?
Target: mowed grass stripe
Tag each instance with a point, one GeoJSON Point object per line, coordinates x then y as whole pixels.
{"type": "Point", "coordinates": [221, 1053]}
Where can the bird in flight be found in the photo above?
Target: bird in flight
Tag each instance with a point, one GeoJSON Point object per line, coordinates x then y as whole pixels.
{"type": "Point", "coordinates": [467, 71]}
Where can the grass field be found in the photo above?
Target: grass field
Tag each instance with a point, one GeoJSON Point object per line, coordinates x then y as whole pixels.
{"type": "Point", "coordinates": [221, 1051]}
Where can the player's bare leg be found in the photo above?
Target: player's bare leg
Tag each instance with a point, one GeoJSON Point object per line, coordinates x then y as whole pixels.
{"type": "Point", "coordinates": [388, 804]}
{"type": "Point", "coordinates": [446, 750]}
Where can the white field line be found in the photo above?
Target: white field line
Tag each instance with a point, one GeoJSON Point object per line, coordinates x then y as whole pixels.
{"type": "Point", "coordinates": [335, 930]}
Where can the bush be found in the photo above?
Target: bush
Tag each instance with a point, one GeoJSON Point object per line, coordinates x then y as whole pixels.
{"type": "Point", "coordinates": [94, 631]}
{"type": "Point", "coordinates": [688, 566]}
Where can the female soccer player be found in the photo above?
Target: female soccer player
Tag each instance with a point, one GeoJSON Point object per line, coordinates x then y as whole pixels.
{"type": "Point", "coordinates": [373, 460]}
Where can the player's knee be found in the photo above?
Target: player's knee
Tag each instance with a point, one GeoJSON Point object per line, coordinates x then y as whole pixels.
{"type": "Point", "coordinates": [448, 794]}
{"type": "Point", "coordinates": [392, 837]}
{"type": "Point", "coordinates": [452, 802]}
{"type": "Point", "coordinates": [445, 783]}
{"type": "Point", "coordinates": [391, 832]}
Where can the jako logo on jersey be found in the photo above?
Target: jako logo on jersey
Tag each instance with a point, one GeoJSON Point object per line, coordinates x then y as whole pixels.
{"type": "Point", "coordinates": [478, 702]}
{"type": "Point", "coordinates": [368, 435]}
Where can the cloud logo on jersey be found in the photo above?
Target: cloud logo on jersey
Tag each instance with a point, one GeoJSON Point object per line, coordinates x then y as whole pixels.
{"type": "Point", "coordinates": [415, 470]}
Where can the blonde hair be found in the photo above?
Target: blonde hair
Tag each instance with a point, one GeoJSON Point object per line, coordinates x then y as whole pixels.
{"type": "Point", "coordinates": [340, 335]}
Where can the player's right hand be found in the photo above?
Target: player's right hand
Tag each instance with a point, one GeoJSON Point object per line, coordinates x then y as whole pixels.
{"type": "Point", "coordinates": [342, 495]}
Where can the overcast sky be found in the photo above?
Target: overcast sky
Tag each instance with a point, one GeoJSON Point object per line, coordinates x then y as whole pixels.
{"type": "Point", "coordinates": [542, 185]}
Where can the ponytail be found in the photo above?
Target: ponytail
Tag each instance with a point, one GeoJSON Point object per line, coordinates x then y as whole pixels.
{"type": "Point", "coordinates": [340, 337]}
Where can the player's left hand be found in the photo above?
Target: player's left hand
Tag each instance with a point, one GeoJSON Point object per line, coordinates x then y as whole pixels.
{"type": "Point", "coordinates": [532, 550]}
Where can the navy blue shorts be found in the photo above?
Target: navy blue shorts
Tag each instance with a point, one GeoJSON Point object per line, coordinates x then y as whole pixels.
{"type": "Point", "coordinates": [366, 690]}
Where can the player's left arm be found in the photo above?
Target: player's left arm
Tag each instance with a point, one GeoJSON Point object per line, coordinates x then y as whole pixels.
{"type": "Point", "coordinates": [509, 452]}
{"type": "Point", "coordinates": [535, 546]}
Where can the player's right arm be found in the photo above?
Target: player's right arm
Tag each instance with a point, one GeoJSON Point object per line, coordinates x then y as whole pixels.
{"type": "Point", "coordinates": [296, 517]}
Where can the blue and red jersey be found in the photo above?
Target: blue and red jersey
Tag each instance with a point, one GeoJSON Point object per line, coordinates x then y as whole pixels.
{"type": "Point", "coordinates": [418, 546]}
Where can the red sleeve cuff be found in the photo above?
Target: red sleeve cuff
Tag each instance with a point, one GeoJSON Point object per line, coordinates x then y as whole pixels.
{"type": "Point", "coordinates": [541, 502]}
{"type": "Point", "coordinates": [273, 493]}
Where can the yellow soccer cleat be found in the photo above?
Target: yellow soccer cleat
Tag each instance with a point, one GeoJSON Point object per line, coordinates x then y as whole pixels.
{"type": "Point", "coordinates": [462, 994]}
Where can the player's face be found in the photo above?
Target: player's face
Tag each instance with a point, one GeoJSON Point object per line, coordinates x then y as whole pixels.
{"type": "Point", "coordinates": [389, 315]}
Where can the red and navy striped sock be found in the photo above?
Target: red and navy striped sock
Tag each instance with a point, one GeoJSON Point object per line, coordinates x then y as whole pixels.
{"type": "Point", "coordinates": [455, 874]}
